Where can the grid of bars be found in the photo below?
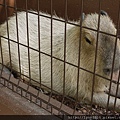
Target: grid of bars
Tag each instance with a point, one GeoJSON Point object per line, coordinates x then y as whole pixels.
{"type": "Point", "coordinates": [34, 95]}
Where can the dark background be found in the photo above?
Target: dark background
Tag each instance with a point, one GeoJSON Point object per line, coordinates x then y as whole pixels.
{"type": "Point", "coordinates": [73, 7]}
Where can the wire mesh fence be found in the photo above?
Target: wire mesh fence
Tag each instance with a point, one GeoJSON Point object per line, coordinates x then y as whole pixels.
{"type": "Point", "coordinates": [66, 67]}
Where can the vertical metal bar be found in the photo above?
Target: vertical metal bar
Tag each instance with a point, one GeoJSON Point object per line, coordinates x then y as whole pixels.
{"type": "Point", "coordinates": [65, 35]}
{"type": "Point", "coordinates": [51, 52]}
{"type": "Point", "coordinates": [94, 73]}
{"type": "Point", "coordinates": [117, 90]}
{"type": "Point", "coordinates": [114, 62]}
{"type": "Point", "coordinates": [39, 46]}
{"type": "Point", "coordinates": [79, 56]}
{"type": "Point", "coordinates": [28, 43]}
{"type": "Point", "coordinates": [19, 61]}
{"type": "Point", "coordinates": [1, 59]}
{"type": "Point", "coordinates": [51, 10]}
{"type": "Point", "coordinates": [119, 70]}
{"type": "Point", "coordinates": [6, 13]}
{"type": "Point", "coordinates": [2, 64]}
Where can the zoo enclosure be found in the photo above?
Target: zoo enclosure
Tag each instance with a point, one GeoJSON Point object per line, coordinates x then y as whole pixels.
{"type": "Point", "coordinates": [70, 10]}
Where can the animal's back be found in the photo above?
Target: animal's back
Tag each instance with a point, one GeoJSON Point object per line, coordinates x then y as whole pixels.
{"type": "Point", "coordinates": [33, 62]}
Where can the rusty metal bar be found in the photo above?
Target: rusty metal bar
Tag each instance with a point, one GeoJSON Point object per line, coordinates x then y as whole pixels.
{"type": "Point", "coordinates": [28, 44]}
{"type": "Point", "coordinates": [79, 56]}
{"type": "Point", "coordinates": [8, 36]}
{"type": "Point", "coordinates": [51, 12]}
{"type": "Point", "coordinates": [65, 40]}
{"type": "Point", "coordinates": [39, 46]}
{"type": "Point", "coordinates": [95, 60]}
{"type": "Point", "coordinates": [1, 59]}
{"type": "Point", "coordinates": [17, 30]}
{"type": "Point", "coordinates": [114, 62]}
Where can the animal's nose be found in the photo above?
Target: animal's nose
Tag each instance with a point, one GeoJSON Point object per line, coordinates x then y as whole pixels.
{"type": "Point", "coordinates": [107, 71]}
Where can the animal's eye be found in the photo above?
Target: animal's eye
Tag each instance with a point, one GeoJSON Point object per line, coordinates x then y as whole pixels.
{"type": "Point", "coordinates": [87, 40]}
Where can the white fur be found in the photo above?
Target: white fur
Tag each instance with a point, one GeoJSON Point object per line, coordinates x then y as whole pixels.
{"type": "Point", "coordinates": [72, 51]}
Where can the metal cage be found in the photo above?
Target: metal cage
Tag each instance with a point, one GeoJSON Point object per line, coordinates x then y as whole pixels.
{"type": "Point", "coordinates": [57, 104]}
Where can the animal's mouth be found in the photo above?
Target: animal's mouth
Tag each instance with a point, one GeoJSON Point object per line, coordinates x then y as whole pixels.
{"type": "Point", "coordinates": [115, 75]}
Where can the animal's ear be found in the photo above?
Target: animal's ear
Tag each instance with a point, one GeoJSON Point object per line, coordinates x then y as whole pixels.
{"type": "Point", "coordinates": [102, 12]}
{"type": "Point", "coordinates": [83, 16]}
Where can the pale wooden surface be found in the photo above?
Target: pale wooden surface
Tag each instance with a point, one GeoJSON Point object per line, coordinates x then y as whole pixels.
{"type": "Point", "coordinates": [13, 104]}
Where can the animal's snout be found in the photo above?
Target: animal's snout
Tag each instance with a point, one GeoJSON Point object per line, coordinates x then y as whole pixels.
{"type": "Point", "coordinates": [110, 64]}
{"type": "Point", "coordinates": [108, 71]}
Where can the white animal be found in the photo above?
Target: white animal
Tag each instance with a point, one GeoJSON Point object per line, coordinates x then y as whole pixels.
{"type": "Point", "coordinates": [31, 65]}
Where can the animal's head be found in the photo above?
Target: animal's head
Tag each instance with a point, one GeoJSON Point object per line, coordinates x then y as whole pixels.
{"type": "Point", "coordinates": [106, 44]}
